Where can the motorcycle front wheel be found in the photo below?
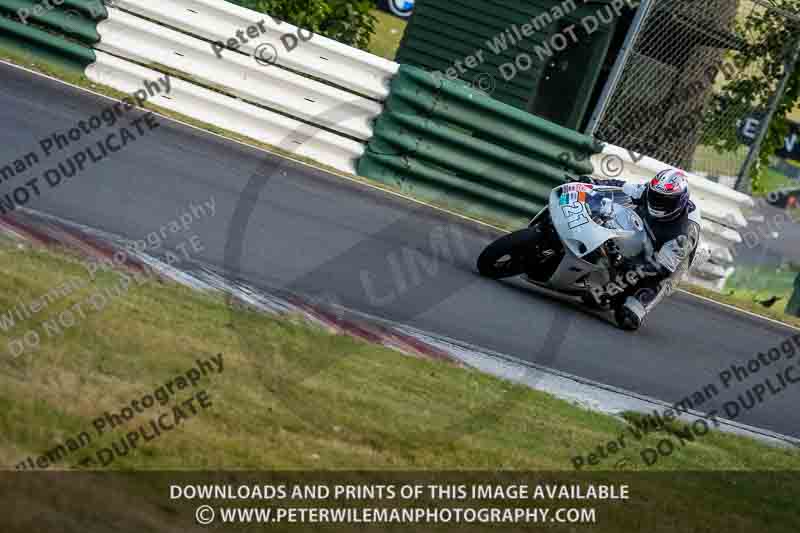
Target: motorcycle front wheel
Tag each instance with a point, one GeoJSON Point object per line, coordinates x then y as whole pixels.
{"type": "Point", "coordinates": [513, 254]}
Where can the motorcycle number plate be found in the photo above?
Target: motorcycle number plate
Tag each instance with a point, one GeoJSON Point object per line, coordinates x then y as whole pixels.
{"type": "Point", "coordinates": [575, 213]}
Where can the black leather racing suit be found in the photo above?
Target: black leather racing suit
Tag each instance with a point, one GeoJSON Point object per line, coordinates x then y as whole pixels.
{"type": "Point", "coordinates": [675, 244]}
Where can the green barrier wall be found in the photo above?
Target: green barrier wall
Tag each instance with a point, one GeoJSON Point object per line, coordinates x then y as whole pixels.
{"type": "Point", "coordinates": [512, 47]}
{"type": "Point", "coordinates": [91, 9]}
{"type": "Point", "coordinates": [793, 307]}
{"type": "Point", "coordinates": [39, 43]}
{"type": "Point", "coordinates": [96, 9]}
{"type": "Point", "coordinates": [442, 140]}
{"type": "Point", "coordinates": [75, 18]}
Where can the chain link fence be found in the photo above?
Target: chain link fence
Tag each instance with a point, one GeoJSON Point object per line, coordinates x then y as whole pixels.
{"type": "Point", "coordinates": [669, 98]}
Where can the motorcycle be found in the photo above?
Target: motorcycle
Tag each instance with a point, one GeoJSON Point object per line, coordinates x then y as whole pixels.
{"type": "Point", "coordinates": [578, 245]}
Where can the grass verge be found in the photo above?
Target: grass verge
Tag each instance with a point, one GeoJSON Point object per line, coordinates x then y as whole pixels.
{"type": "Point", "coordinates": [753, 288]}
{"type": "Point", "coordinates": [746, 299]}
{"type": "Point", "coordinates": [296, 397]}
{"type": "Point", "coordinates": [764, 282]}
{"type": "Point", "coordinates": [307, 398]}
{"type": "Point", "coordinates": [773, 180]}
{"type": "Point", "coordinates": [388, 34]}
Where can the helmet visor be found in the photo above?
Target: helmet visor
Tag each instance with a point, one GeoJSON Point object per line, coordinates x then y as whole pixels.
{"type": "Point", "coordinates": [662, 205]}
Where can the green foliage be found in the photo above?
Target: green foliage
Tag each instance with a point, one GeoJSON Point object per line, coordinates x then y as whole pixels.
{"type": "Point", "coordinates": [772, 41]}
{"type": "Point", "coordinates": [347, 21]}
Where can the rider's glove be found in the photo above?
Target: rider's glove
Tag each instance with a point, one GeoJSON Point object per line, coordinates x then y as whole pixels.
{"type": "Point", "coordinates": [607, 207]}
{"type": "Point", "coordinates": [674, 252]}
{"type": "Point", "coordinates": [633, 190]}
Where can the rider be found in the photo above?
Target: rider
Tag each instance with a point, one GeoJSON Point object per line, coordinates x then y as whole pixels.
{"type": "Point", "coordinates": [673, 223]}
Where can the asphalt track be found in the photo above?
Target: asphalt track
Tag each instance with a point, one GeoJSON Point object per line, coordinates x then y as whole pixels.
{"type": "Point", "coordinates": [771, 241]}
{"type": "Point", "coordinates": [313, 232]}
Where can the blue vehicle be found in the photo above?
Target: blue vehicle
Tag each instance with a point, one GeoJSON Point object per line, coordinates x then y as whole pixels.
{"type": "Point", "coordinates": [398, 8]}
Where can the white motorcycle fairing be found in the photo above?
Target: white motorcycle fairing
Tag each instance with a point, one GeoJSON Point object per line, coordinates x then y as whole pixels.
{"type": "Point", "coordinates": [587, 237]}
{"type": "Point", "coordinates": [586, 217]}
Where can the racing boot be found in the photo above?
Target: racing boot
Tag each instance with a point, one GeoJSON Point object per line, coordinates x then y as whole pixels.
{"type": "Point", "coordinates": [630, 314]}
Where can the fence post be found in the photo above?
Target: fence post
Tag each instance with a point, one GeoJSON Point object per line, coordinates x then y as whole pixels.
{"type": "Point", "coordinates": [616, 71]}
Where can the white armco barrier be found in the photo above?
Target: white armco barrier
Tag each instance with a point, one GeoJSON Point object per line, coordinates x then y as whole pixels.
{"type": "Point", "coordinates": [720, 206]}
{"type": "Point", "coordinates": [231, 114]}
{"type": "Point", "coordinates": [298, 50]}
{"type": "Point", "coordinates": [719, 203]}
{"type": "Point", "coordinates": [146, 42]}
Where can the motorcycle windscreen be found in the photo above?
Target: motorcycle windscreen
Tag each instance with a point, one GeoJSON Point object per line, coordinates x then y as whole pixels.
{"type": "Point", "coordinates": [637, 243]}
{"type": "Point", "coordinates": [572, 209]}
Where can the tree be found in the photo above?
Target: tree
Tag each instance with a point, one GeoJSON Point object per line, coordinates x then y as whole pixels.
{"type": "Point", "coordinates": [348, 21]}
{"type": "Point", "coordinates": [772, 38]}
